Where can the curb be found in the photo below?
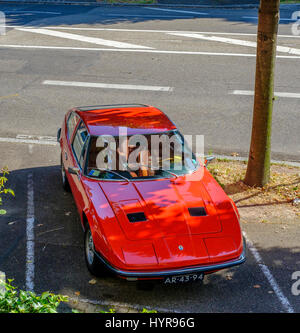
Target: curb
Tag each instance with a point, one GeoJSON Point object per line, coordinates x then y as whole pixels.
{"type": "Point", "coordinates": [239, 158]}
{"type": "Point", "coordinates": [96, 306]}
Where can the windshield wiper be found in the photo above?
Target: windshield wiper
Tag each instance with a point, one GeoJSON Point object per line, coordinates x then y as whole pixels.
{"type": "Point", "coordinates": [115, 173]}
{"type": "Point", "coordinates": [171, 173]}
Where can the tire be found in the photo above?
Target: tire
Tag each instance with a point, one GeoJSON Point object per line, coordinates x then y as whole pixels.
{"type": "Point", "coordinates": [94, 265]}
{"type": "Point", "coordinates": [64, 179]}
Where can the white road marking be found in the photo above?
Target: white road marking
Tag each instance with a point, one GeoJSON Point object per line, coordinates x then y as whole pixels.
{"type": "Point", "coordinates": [30, 235]}
{"type": "Point", "coordinates": [92, 40]}
{"type": "Point", "coordinates": [141, 30]}
{"type": "Point", "coordinates": [232, 41]}
{"type": "Point", "coordinates": [42, 47]}
{"type": "Point", "coordinates": [29, 141]}
{"type": "Point", "coordinates": [36, 137]}
{"type": "Point", "coordinates": [277, 94]}
{"type": "Point", "coordinates": [177, 11]}
{"type": "Point", "coordinates": [283, 300]}
{"type": "Point", "coordinates": [216, 39]}
{"type": "Point", "coordinates": [106, 85]}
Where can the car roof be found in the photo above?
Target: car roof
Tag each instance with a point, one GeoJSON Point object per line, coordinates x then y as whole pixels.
{"type": "Point", "coordinates": [114, 119]}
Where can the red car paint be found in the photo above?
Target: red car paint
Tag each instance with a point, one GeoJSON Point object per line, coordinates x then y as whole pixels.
{"type": "Point", "coordinates": [151, 247]}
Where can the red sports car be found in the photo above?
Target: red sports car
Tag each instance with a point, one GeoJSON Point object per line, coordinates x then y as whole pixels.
{"type": "Point", "coordinates": [147, 212]}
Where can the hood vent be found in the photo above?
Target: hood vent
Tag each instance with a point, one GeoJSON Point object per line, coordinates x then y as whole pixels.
{"type": "Point", "coordinates": [136, 217]}
{"type": "Point", "coordinates": [197, 211]}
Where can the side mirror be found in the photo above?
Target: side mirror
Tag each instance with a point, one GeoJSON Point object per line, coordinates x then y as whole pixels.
{"type": "Point", "coordinates": [73, 170]}
{"type": "Point", "coordinates": [58, 134]}
{"type": "Point", "coordinates": [209, 159]}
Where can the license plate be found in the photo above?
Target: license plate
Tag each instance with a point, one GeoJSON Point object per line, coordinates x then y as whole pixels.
{"type": "Point", "coordinates": [184, 278]}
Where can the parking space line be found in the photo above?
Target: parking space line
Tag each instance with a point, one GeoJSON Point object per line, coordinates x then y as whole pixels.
{"type": "Point", "coordinates": [283, 300]}
{"type": "Point", "coordinates": [30, 234]}
{"type": "Point", "coordinates": [92, 40]}
{"type": "Point", "coordinates": [106, 85]}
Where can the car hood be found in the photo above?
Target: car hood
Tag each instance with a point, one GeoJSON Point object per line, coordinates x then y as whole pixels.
{"type": "Point", "coordinates": [162, 208]}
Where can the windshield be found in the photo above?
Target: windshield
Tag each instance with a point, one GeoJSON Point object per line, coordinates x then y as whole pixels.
{"type": "Point", "coordinates": [163, 155]}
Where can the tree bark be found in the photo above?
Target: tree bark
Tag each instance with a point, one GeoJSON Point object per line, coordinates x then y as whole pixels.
{"type": "Point", "coordinates": [258, 169]}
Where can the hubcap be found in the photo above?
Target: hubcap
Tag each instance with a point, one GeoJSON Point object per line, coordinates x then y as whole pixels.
{"type": "Point", "coordinates": [89, 248]}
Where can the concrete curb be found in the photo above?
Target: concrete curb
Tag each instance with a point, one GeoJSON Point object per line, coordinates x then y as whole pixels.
{"type": "Point", "coordinates": [96, 306]}
{"type": "Point", "coordinates": [240, 158]}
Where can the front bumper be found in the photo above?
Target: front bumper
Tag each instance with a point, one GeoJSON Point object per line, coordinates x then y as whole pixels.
{"type": "Point", "coordinates": [173, 272]}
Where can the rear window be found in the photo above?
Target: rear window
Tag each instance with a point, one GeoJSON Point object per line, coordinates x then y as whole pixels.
{"type": "Point", "coordinates": [72, 123]}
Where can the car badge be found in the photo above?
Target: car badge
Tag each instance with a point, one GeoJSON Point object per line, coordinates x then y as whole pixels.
{"type": "Point", "coordinates": [180, 247]}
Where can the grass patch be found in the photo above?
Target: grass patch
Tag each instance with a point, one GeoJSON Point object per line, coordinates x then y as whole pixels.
{"type": "Point", "coordinates": [284, 185]}
{"type": "Point", "coordinates": [289, 1]}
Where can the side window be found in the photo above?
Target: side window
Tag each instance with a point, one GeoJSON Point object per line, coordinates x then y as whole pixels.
{"type": "Point", "coordinates": [79, 142]}
{"type": "Point", "coordinates": [72, 123]}
{"type": "Point", "coordinates": [82, 156]}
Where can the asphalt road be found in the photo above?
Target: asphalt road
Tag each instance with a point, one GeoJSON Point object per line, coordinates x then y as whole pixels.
{"type": "Point", "coordinates": [128, 52]}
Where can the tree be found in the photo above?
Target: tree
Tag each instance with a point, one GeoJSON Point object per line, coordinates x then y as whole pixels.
{"type": "Point", "coordinates": [258, 169]}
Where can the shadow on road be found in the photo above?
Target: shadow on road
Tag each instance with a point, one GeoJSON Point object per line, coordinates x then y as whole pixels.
{"type": "Point", "coordinates": [60, 267]}
{"type": "Point", "coordinates": [56, 15]}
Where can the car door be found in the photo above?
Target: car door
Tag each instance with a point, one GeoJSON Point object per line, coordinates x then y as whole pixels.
{"type": "Point", "coordinates": [79, 147]}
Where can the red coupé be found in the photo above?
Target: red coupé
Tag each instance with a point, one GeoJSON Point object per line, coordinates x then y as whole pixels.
{"type": "Point", "coordinates": [145, 220]}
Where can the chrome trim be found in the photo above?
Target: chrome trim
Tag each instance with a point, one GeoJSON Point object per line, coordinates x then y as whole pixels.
{"type": "Point", "coordinates": [109, 106]}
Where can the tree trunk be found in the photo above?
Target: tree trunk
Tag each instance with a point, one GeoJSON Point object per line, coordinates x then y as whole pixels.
{"type": "Point", "coordinates": [258, 170]}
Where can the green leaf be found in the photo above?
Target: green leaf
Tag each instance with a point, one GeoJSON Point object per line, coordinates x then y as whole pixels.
{"type": "Point", "coordinates": [8, 190]}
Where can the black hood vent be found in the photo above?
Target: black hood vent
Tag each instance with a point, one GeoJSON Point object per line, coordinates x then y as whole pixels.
{"type": "Point", "coordinates": [197, 211]}
{"type": "Point", "coordinates": [136, 217]}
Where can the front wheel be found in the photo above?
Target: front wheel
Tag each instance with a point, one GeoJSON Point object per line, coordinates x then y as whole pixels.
{"type": "Point", "coordinates": [94, 265]}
